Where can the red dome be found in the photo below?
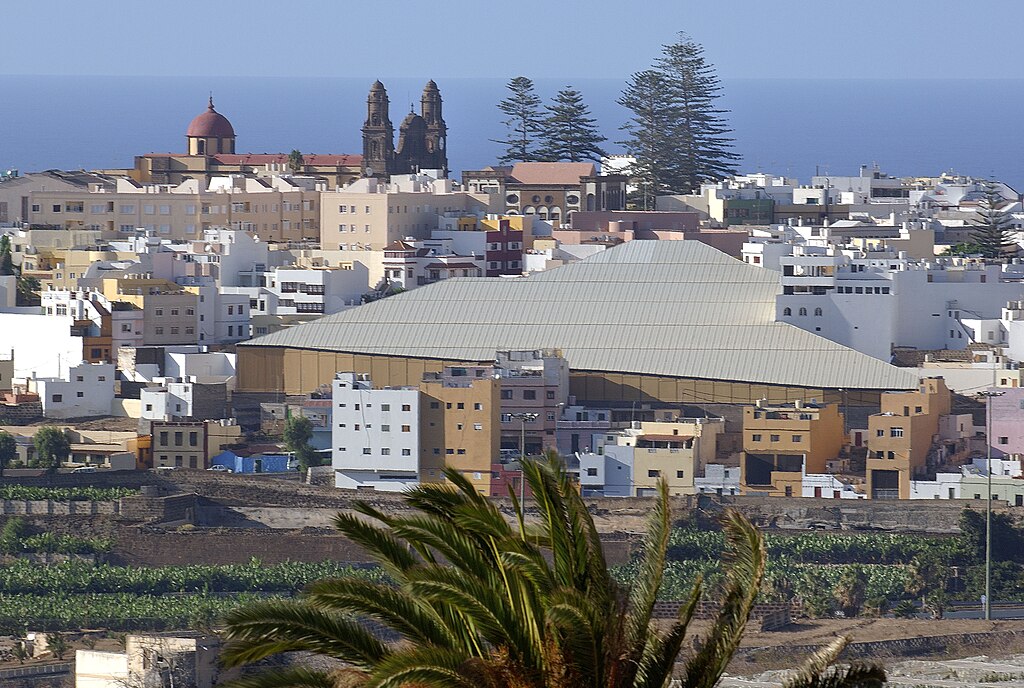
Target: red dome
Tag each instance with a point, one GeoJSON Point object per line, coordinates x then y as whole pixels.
{"type": "Point", "coordinates": [210, 124]}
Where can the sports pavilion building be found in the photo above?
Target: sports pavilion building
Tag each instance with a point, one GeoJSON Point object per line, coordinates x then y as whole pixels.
{"type": "Point", "coordinates": [664, 323]}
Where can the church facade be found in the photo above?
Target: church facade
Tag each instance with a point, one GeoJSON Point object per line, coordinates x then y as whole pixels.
{"type": "Point", "coordinates": [422, 138]}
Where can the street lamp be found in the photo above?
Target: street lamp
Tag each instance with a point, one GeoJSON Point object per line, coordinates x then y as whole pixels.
{"type": "Point", "coordinates": [523, 417]}
{"type": "Point", "coordinates": [988, 394]}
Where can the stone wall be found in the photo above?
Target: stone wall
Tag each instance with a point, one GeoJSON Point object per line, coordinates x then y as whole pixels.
{"type": "Point", "coordinates": [159, 509]}
{"type": "Point", "coordinates": [49, 507]}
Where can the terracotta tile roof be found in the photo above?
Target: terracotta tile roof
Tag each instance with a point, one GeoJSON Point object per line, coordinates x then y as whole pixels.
{"type": "Point", "coordinates": [312, 159]}
{"type": "Point", "coordinates": [552, 172]}
{"type": "Point", "coordinates": [399, 245]}
{"type": "Point", "coordinates": [451, 266]}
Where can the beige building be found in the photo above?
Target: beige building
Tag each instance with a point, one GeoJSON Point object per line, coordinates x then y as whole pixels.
{"type": "Point", "coordinates": [277, 209]}
{"type": "Point", "coordinates": [901, 436]}
{"type": "Point", "coordinates": [369, 215]}
{"type": "Point", "coordinates": [191, 444]}
{"type": "Point", "coordinates": [169, 313]}
{"type": "Point", "coordinates": [459, 427]}
{"type": "Point", "coordinates": [151, 660]}
{"type": "Point", "coordinates": [782, 442]}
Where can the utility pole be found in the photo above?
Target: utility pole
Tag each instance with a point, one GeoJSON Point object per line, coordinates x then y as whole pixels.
{"type": "Point", "coordinates": [988, 394]}
{"type": "Point", "coordinates": [523, 417]}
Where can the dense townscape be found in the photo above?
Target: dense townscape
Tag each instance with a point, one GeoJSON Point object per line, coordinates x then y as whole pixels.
{"type": "Point", "coordinates": [205, 353]}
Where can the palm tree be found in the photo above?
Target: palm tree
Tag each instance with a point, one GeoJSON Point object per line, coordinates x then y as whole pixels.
{"type": "Point", "coordinates": [482, 601]}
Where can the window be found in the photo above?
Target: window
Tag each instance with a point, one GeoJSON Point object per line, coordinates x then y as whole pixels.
{"type": "Point", "coordinates": [896, 432]}
{"type": "Point", "coordinates": [366, 450]}
{"type": "Point", "coordinates": [79, 378]}
{"type": "Point", "coordinates": [158, 330]}
{"type": "Point", "coordinates": [193, 439]}
{"type": "Point", "coordinates": [591, 472]}
{"type": "Point", "coordinates": [880, 433]}
{"type": "Point", "coordinates": [817, 311]}
{"type": "Point", "coordinates": [406, 407]}
{"type": "Point", "coordinates": [461, 451]}
{"type": "Point", "coordinates": [802, 311]}
{"type": "Point", "coordinates": [506, 394]}
{"type": "Point", "coordinates": [787, 311]}
{"type": "Point", "coordinates": [789, 490]}
{"type": "Point", "coordinates": [448, 405]}
{"type": "Point", "coordinates": [917, 409]}
{"type": "Point", "coordinates": [529, 394]}
{"type": "Point", "coordinates": [653, 473]}
{"type": "Point", "coordinates": [755, 438]}
{"type": "Point", "coordinates": [385, 428]}
{"type": "Point", "coordinates": [798, 438]}
{"type": "Point", "coordinates": [679, 474]}
{"type": "Point", "coordinates": [385, 452]}
{"type": "Point", "coordinates": [550, 394]}
{"type": "Point", "coordinates": [773, 438]}
{"type": "Point", "coordinates": [79, 394]}
{"type": "Point", "coordinates": [480, 407]}
{"type": "Point", "coordinates": [460, 406]}
{"type": "Point", "coordinates": [385, 407]}
{"type": "Point", "coordinates": [449, 451]}
{"type": "Point", "coordinates": [478, 426]}
{"type": "Point", "coordinates": [458, 426]}
{"type": "Point", "coordinates": [158, 311]}
{"type": "Point", "coordinates": [436, 451]}
{"type": "Point", "coordinates": [1004, 440]}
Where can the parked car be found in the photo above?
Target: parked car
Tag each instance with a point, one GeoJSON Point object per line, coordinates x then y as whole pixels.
{"type": "Point", "coordinates": [218, 468]}
{"type": "Point", "coordinates": [84, 469]}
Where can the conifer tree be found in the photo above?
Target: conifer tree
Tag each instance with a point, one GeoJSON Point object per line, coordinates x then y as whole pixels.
{"type": "Point", "coordinates": [649, 139]}
{"type": "Point", "coordinates": [675, 103]}
{"type": "Point", "coordinates": [524, 123]}
{"type": "Point", "coordinates": [6, 261]}
{"type": "Point", "coordinates": [991, 232]}
{"type": "Point", "coordinates": [570, 133]}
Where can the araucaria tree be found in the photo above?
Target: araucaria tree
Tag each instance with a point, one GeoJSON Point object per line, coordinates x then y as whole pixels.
{"type": "Point", "coordinates": [524, 121]}
{"type": "Point", "coordinates": [478, 600]}
{"type": "Point", "coordinates": [570, 133]}
{"type": "Point", "coordinates": [991, 233]}
{"type": "Point", "coordinates": [694, 137]}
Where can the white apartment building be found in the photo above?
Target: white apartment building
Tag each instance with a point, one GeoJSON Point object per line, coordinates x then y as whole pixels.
{"type": "Point", "coordinates": [878, 302]}
{"type": "Point", "coordinates": [87, 389]}
{"type": "Point", "coordinates": [718, 479]}
{"type": "Point", "coordinates": [375, 434]}
{"type": "Point", "coordinates": [410, 264]}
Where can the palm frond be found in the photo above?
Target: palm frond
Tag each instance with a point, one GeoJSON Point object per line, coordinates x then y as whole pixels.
{"type": "Point", "coordinates": [268, 628]}
{"type": "Point", "coordinates": [661, 652]}
{"type": "Point", "coordinates": [425, 666]}
{"type": "Point", "coordinates": [647, 583]}
{"type": "Point", "coordinates": [293, 677]}
{"type": "Point", "coordinates": [395, 608]}
{"type": "Point", "coordinates": [393, 556]}
{"type": "Point", "coordinates": [744, 558]}
{"type": "Point", "coordinates": [818, 671]}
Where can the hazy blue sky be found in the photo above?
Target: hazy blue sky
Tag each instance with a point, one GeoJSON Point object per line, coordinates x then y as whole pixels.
{"type": "Point", "coordinates": [539, 38]}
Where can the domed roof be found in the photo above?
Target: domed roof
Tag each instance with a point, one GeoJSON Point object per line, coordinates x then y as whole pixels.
{"type": "Point", "coordinates": [431, 86]}
{"type": "Point", "coordinates": [377, 86]}
{"type": "Point", "coordinates": [210, 124]}
{"type": "Point", "coordinates": [413, 120]}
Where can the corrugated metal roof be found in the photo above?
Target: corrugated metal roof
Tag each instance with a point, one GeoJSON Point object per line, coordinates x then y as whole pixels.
{"type": "Point", "coordinates": [674, 308]}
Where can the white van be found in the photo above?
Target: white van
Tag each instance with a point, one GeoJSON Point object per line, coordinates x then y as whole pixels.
{"type": "Point", "coordinates": [84, 469]}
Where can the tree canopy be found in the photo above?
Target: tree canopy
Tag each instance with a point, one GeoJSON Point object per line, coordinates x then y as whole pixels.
{"type": "Point", "coordinates": [991, 227]}
{"type": "Point", "coordinates": [8, 450]}
{"type": "Point", "coordinates": [523, 122]}
{"type": "Point", "coordinates": [298, 431]}
{"type": "Point", "coordinates": [677, 133]}
{"type": "Point", "coordinates": [481, 600]}
{"type": "Point", "coordinates": [52, 448]}
{"type": "Point", "coordinates": [570, 133]}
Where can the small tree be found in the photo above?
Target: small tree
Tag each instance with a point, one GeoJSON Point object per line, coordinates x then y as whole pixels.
{"type": "Point", "coordinates": [52, 448]}
{"type": "Point", "coordinates": [524, 123]}
{"type": "Point", "coordinates": [992, 225]}
{"type": "Point", "coordinates": [8, 451]}
{"type": "Point", "coordinates": [58, 644]}
{"type": "Point", "coordinates": [296, 161]}
{"type": "Point", "coordinates": [6, 261]}
{"type": "Point", "coordinates": [298, 431]}
{"type": "Point", "coordinates": [570, 133]}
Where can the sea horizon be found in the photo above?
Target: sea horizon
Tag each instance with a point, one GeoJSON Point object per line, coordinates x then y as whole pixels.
{"type": "Point", "coordinates": [791, 127]}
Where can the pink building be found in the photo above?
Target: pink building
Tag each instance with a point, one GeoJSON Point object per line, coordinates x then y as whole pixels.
{"type": "Point", "coordinates": [1008, 424]}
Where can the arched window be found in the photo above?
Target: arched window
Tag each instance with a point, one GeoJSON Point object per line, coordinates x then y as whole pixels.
{"type": "Point", "coordinates": [787, 311]}
{"type": "Point", "coordinates": [803, 311]}
{"type": "Point", "coordinates": [817, 311]}
{"type": "Point", "coordinates": [202, 147]}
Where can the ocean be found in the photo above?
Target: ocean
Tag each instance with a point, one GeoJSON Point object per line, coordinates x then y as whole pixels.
{"type": "Point", "coordinates": [791, 127]}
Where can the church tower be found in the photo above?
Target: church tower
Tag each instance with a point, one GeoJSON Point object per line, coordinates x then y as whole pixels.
{"type": "Point", "coordinates": [436, 129]}
{"type": "Point", "coordinates": [378, 134]}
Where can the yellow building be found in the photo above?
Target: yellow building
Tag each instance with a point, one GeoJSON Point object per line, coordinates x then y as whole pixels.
{"type": "Point", "coordinates": [459, 427]}
{"type": "Point", "coordinates": [782, 442]}
{"type": "Point", "coordinates": [675, 451]}
{"type": "Point", "coordinates": [901, 436]}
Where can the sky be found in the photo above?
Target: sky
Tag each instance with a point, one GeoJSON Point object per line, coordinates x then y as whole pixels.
{"type": "Point", "coordinates": [793, 39]}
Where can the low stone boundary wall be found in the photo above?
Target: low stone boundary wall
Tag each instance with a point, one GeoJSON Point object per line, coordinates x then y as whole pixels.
{"type": "Point", "coordinates": [49, 507]}
{"type": "Point", "coordinates": [874, 649]}
{"type": "Point", "coordinates": [709, 610]}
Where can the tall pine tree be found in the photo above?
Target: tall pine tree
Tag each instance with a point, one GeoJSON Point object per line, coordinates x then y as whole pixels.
{"type": "Point", "coordinates": [991, 231]}
{"type": "Point", "coordinates": [524, 123]}
{"type": "Point", "coordinates": [570, 133]}
{"type": "Point", "coordinates": [649, 139]}
{"type": "Point", "coordinates": [675, 104]}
